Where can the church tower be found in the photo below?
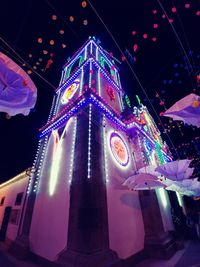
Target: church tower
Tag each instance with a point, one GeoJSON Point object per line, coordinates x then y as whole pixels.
{"type": "Point", "coordinates": [78, 213]}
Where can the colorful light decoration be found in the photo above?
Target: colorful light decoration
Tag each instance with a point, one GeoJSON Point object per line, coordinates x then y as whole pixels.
{"type": "Point", "coordinates": [73, 151]}
{"type": "Point", "coordinates": [119, 149]}
{"type": "Point", "coordinates": [89, 141]}
{"type": "Point", "coordinates": [70, 91]}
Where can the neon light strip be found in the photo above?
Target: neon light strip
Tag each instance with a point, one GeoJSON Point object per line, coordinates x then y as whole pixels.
{"type": "Point", "coordinates": [97, 53]}
{"type": "Point", "coordinates": [56, 160]}
{"type": "Point", "coordinates": [105, 149]}
{"type": "Point", "coordinates": [81, 82]}
{"type": "Point", "coordinates": [73, 151]}
{"type": "Point", "coordinates": [89, 142]}
{"type": "Point", "coordinates": [85, 53]}
{"type": "Point", "coordinates": [91, 47]}
{"type": "Point", "coordinates": [52, 107]}
{"type": "Point", "coordinates": [90, 75]}
{"type": "Point", "coordinates": [62, 76]}
{"type": "Point", "coordinates": [99, 82]}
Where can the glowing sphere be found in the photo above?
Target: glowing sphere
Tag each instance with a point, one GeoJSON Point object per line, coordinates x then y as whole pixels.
{"type": "Point", "coordinates": [119, 149]}
{"type": "Point", "coordinates": [39, 40]}
{"type": "Point", "coordinates": [51, 42]}
{"type": "Point", "coordinates": [71, 18]}
{"type": "Point", "coordinates": [61, 31]}
{"type": "Point", "coordinates": [195, 104]}
{"type": "Point", "coordinates": [84, 4]}
{"type": "Point", "coordinates": [54, 17]}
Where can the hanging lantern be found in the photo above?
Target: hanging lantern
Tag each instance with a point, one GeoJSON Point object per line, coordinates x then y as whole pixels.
{"type": "Point", "coordinates": [85, 22]}
{"type": "Point", "coordinates": [51, 42]}
{"type": "Point", "coordinates": [61, 31]}
{"type": "Point", "coordinates": [64, 45]}
{"type": "Point", "coordinates": [71, 19]}
{"type": "Point", "coordinates": [39, 40]}
{"type": "Point", "coordinates": [54, 17]}
{"type": "Point", "coordinates": [84, 4]}
{"type": "Point", "coordinates": [195, 104]}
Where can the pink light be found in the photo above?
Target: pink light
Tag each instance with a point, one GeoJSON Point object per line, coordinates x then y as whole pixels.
{"type": "Point", "coordinates": [174, 9]}
{"type": "Point", "coordinates": [133, 33]}
{"type": "Point", "coordinates": [154, 11]}
{"type": "Point", "coordinates": [171, 20]}
{"type": "Point", "coordinates": [198, 13]}
{"type": "Point", "coordinates": [164, 16]}
{"type": "Point", "coordinates": [145, 35]}
{"type": "Point", "coordinates": [187, 5]}
{"type": "Point", "coordinates": [123, 58]}
{"type": "Point", "coordinates": [155, 25]}
{"type": "Point", "coordinates": [154, 39]}
{"type": "Point", "coordinates": [135, 47]}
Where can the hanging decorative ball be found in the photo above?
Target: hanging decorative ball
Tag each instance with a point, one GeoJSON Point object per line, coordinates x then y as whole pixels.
{"type": "Point", "coordinates": [37, 63]}
{"type": "Point", "coordinates": [171, 20]}
{"type": "Point", "coordinates": [64, 45]}
{"type": "Point", "coordinates": [61, 31]}
{"type": "Point", "coordinates": [162, 103]}
{"type": "Point", "coordinates": [71, 19]}
{"type": "Point", "coordinates": [51, 42]}
{"type": "Point", "coordinates": [85, 22]}
{"type": "Point", "coordinates": [54, 17]}
{"type": "Point", "coordinates": [174, 9]}
{"type": "Point", "coordinates": [34, 67]}
{"type": "Point", "coordinates": [195, 104]}
{"type": "Point", "coordinates": [154, 39]}
{"type": "Point", "coordinates": [155, 25]}
{"type": "Point", "coordinates": [30, 55]}
{"type": "Point", "coordinates": [45, 52]}
{"type": "Point", "coordinates": [198, 13]}
{"type": "Point", "coordinates": [187, 5]}
{"type": "Point", "coordinates": [40, 59]}
{"type": "Point", "coordinates": [135, 47]}
{"type": "Point", "coordinates": [39, 40]}
{"type": "Point", "coordinates": [145, 35]}
{"type": "Point", "coordinates": [154, 11]}
{"type": "Point", "coordinates": [29, 71]}
{"type": "Point", "coordinates": [123, 58]}
{"type": "Point", "coordinates": [84, 4]}
{"type": "Point", "coordinates": [133, 33]}
{"type": "Point", "coordinates": [164, 16]}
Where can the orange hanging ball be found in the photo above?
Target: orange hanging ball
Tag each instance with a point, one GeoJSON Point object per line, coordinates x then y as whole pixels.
{"type": "Point", "coordinates": [71, 18]}
{"type": "Point", "coordinates": [40, 40]}
{"type": "Point", "coordinates": [195, 104]}
{"type": "Point", "coordinates": [51, 42]}
{"type": "Point", "coordinates": [84, 4]}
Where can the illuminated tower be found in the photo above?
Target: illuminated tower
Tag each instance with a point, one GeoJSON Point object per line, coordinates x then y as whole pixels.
{"type": "Point", "coordinates": [78, 213]}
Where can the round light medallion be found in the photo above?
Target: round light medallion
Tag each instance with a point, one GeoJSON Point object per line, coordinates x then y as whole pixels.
{"type": "Point", "coordinates": [70, 92]}
{"type": "Point", "coordinates": [119, 149]}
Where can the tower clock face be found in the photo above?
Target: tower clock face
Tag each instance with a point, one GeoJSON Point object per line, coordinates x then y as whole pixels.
{"type": "Point", "coordinates": [119, 149]}
{"type": "Point", "coordinates": [70, 92]}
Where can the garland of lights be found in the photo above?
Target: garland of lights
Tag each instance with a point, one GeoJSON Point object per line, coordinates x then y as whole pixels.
{"type": "Point", "coordinates": [73, 151]}
{"type": "Point", "coordinates": [89, 142]}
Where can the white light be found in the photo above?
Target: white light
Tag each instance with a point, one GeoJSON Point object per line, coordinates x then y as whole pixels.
{"type": "Point", "coordinates": [163, 197]}
{"type": "Point", "coordinates": [89, 141]}
{"type": "Point", "coordinates": [180, 200]}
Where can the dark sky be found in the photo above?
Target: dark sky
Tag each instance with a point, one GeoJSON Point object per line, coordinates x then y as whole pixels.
{"type": "Point", "coordinates": [160, 63]}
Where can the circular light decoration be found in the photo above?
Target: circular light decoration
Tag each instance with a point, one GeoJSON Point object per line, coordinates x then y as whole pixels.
{"type": "Point", "coordinates": [119, 149]}
{"type": "Point", "coordinates": [70, 91]}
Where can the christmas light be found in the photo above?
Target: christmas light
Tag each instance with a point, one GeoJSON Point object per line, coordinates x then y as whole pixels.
{"type": "Point", "coordinates": [89, 141]}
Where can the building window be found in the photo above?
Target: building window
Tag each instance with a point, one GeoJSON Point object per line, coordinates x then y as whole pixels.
{"type": "Point", "coordinates": [2, 201]}
{"type": "Point", "coordinates": [18, 200]}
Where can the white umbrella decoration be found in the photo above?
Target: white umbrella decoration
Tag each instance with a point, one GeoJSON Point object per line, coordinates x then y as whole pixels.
{"type": "Point", "coordinates": [18, 93]}
{"type": "Point", "coordinates": [143, 181]}
{"type": "Point", "coordinates": [186, 109]}
{"type": "Point", "coordinates": [176, 170]}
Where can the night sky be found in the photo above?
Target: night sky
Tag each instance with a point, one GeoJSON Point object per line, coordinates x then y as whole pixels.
{"type": "Point", "coordinates": [165, 66]}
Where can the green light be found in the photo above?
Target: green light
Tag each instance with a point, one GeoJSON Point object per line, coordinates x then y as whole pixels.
{"type": "Point", "coordinates": [128, 102]}
{"type": "Point", "coordinates": [138, 100]}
